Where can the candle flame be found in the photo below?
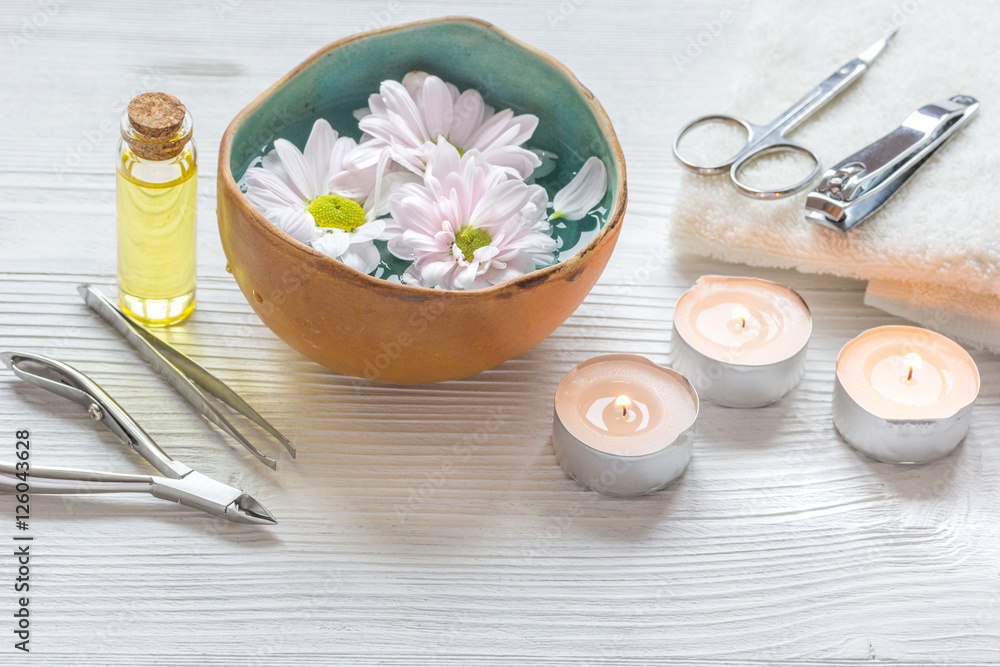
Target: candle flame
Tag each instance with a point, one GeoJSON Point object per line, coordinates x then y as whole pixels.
{"type": "Point", "coordinates": [740, 313]}
{"type": "Point", "coordinates": [913, 363]}
{"type": "Point", "coordinates": [623, 403]}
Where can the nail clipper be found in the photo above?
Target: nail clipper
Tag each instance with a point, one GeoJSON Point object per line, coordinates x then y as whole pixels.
{"type": "Point", "coordinates": [859, 185]}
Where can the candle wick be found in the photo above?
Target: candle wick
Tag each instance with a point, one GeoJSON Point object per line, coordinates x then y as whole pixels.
{"type": "Point", "coordinates": [624, 411]}
{"type": "Point", "coordinates": [743, 323]}
{"type": "Point", "coordinates": [909, 375]}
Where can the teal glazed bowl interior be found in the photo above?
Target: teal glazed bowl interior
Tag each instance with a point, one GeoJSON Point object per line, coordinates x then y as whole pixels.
{"type": "Point", "coordinates": [346, 320]}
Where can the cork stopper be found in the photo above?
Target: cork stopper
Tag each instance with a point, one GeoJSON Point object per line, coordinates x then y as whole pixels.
{"type": "Point", "coordinates": [156, 115]}
{"type": "Point", "coordinates": [156, 121]}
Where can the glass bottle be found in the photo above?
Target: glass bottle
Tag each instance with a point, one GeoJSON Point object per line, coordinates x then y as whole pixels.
{"type": "Point", "coordinates": [157, 210]}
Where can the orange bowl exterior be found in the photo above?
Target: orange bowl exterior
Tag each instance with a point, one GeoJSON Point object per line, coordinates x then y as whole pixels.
{"type": "Point", "coordinates": [359, 325]}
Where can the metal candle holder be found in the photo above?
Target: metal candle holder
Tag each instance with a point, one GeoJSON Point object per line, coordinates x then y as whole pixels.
{"type": "Point", "coordinates": [728, 382]}
{"type": "Point", "coordinates": [617, 474]}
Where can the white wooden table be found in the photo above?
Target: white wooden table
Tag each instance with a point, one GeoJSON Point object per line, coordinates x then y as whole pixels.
{"type": "Point", "coordinates": [779, 546]}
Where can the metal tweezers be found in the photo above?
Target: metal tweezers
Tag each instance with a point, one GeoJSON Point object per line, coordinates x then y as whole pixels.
{"type": "Point", "coordinates": [186, 375]}
{"type": "Point", "coordinates": [179, 483]}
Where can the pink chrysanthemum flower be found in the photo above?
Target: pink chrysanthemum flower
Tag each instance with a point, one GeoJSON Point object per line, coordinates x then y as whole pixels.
{"type": "Point", "coordinates": [468, 225]}
{"type": "Point", "coordinates": [409, 117]}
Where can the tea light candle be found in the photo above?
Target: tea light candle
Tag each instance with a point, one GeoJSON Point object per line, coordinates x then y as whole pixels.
{"type": "Point", "coordinates": [904, 394]}
{"type": "Point", "coordinates": [623, 425]}
{"type": "Point", "coordinates": [742, 341]}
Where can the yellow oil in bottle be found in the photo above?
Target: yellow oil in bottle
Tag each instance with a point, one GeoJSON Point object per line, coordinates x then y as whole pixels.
{"type": "Point", "coordinates": [157, 227]}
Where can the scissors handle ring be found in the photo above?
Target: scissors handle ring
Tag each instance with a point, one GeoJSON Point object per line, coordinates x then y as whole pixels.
{"type": "Point", "coordinates": [721, 167]}
{"type": "Point", "coordinates": [778, 147]}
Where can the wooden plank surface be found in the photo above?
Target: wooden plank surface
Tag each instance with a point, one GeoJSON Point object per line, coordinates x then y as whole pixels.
{"type": "Point", "coordinates": [431, 524]}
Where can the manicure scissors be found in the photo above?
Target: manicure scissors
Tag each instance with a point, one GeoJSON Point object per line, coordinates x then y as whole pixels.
{"type": "Point", "coordinates": [186, 375]}
{"type": "Point", "coordinates": [768, 139]}
{"type": "Point", "coordinates": [179, 483]}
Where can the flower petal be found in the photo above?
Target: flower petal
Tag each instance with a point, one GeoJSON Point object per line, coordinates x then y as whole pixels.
{"type": "Point", "coordinates": [520, 162]}
{"type": "Point", "coordinates": [538, 203]}
{"type": "Point", "coordinates": [432, 273]}
{"type": "Point", "coordinates": [333, 243]}
{"type": "Point", "coordinates": [414, 82]}
{"type": "Point", "coordinates": [516, 266]}
{"type": "Point", "coordinates": [485, 254]}
{"type": "Point", "coordinates": [504, 129]}
{"type": "Point", "coordinates": [424, 244]}
{"type": "Point", "coordinates": [414, 211]}
{"type": "Point", "coordinates": [354, 184]}
{"type": "Point", "coordinates": [443, 160]}
{"type": "Point", "coordinates": [391, 183]}
{"type": "Point", "coordinates": [265, 190]}
{"type": "Point", "coordinates": [362, 257]}
{"type": "Point", "coordinates": [491, 129]}
{"type": "Point", "coordinates": [499, 204]}
{"type": "Point", "coordinates": [437, 107]}
{"type": "Point", "coordinates": [463, 279]}
{"type": "Point", "coordinates": [368, 232]}
{"type": "Point", "coordinates": [401, 108]}
{"type": "Point", "coordinates": [318, 151]}
{"type": "Point", "coordinates": [526, 125]}
{"type": "Point", "coordinates": [468, 116]}
{"type": "Point", "coordinates": [339, 153]}
{"type": "Point", "coordinates": [365, 156]}
{"type": "Point", "coordinates": [397, 246]}
{"type": "Point", "coordinates": [298, 170]}
{"type": "Point", "coordinates": [296, 223]}
{"type": "Point", "coordinates": [583, 193]}
{"type": "Point", "coordinates": [374, 197]}
{"type": "Point", "coordinates": [412, 277]}
{"type": "Point", "coordinates": [272, 163]}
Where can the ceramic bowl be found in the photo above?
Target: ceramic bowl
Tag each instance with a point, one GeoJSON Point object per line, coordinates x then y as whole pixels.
{"type": "Point", "coordinates": [367, 327]}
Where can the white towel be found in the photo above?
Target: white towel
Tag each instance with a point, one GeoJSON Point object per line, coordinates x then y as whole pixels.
{"type": "Point", "coordinates": [936, 244]}
{"type": "Point", "coordinates": [966, 316]}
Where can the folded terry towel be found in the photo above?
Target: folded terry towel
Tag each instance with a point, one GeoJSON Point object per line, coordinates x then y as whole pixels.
{"type": "Point", "coordinates": [939, 237]}
{"type": "Point", "coordinates": [967, 316]}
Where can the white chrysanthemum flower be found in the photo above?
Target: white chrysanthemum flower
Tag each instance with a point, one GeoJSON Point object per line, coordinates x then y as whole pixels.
{"type": "Point", "coordinates": [583, 193]}
{"type": "Point", "coordinates": [317, 197]}
{"type": "Point", "coordinates": [411, 116]}
{"type": "Point", "coordinates": [468, 225]}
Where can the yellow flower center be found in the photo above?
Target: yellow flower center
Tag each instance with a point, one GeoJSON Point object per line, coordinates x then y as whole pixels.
{"type": "Point", "coordinates": [470, 239]}
{"type": "Point", "coordinates": [336, 211]}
